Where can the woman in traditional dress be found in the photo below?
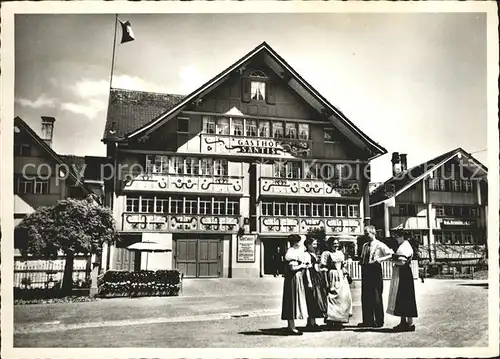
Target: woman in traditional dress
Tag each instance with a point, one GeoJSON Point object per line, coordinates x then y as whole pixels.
{"type": "Point", "coordinates": [402, 301]}
{"type": "Point", "coordinates": [294, 297]}
{"type": "Point", "coordinates": [314, 285]}
{"type": "Point", "coordinates": [339, 300]}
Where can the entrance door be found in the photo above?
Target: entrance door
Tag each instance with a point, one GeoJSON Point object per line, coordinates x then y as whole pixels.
{"type": "Point", "coordinates": [274, 254]}
{"type": "Point", "coordinates": [198, 257]}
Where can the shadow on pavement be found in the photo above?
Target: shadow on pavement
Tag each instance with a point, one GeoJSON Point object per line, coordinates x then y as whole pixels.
{"type": "Point", "coordinates": [483, 285]}
{"type": "Point", "coordinates": [270, 332]}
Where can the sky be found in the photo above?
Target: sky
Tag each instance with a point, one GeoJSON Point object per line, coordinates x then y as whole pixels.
{"type": "Point", "coordinates": [414, 83]}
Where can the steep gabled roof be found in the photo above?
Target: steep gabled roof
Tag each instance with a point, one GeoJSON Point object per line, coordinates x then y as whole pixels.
{"type": "Point", "coordinates": [134, 125]}
{"type": "Point", "coordinates": [130, 110]}
{"type": "Point", "coordinates": [50, 152]}
{"type": "Point", "coordinates": [403, 182]}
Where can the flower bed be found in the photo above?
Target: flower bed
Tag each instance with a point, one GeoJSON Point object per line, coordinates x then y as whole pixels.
{"type": "Point", "coordinates": [140, 283]}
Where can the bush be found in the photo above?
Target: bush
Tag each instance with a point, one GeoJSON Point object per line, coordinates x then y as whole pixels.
{"type": "Point", "coordinates": [140, 283]}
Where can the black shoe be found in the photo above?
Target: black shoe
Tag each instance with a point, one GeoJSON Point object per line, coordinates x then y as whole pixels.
{"type": "Point", "coordinates": [400, 327]}
{"type": "Point", "coordinates": [294, 332]}
{"type": "Point", "coordinates": [313, 328]}
{"type": "Point", "coordinates": [409, 328]}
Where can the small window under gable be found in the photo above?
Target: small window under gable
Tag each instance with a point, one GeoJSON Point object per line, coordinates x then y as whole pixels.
{"type": "Point", "coordinates": [258, 85]}
{"type": "Point", "coordinates": [183, 125]}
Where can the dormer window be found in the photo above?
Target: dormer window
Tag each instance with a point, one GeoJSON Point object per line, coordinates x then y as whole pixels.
{"type": "Point", "coordinates": [258, 85]}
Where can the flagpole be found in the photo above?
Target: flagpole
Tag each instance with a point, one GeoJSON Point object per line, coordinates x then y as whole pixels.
{"type": "Point", "coordinates": [114, 48]}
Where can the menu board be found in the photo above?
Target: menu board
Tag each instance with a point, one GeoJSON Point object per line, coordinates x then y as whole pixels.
{"type": "Point", "coordinates": [246, 248]}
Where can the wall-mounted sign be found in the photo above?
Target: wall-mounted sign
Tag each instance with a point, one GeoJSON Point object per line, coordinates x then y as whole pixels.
{"type": "Point", "coordinates": [254, 147]}
{"type": "Point", "coordinates": [458, 222]}
{"type": "Point", "coordinates": [246, 248]}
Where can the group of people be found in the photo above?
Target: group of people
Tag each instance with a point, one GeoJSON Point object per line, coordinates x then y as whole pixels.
{"type": "Point", "coordinates": [317, 285]}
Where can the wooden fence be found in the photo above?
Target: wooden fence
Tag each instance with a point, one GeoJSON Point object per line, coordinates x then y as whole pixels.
{"type": "Point", "coordinates": [33, 274]}
{"type": "Point", "coordinates": [354, 270]}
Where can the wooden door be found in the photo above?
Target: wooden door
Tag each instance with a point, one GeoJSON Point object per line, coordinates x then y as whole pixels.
{"type": "Point", "coordinates": [186, 257]}
{"type": "Point", "coordinates": [208, 258]}
{"type": "Point", "coordinates": [124, 259]}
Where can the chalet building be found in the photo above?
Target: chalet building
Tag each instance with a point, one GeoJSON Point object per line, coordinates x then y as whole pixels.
{"type": "Point", "coordinates": [222, 176]}
{"type": "Point", "coordinates": [442, 203]}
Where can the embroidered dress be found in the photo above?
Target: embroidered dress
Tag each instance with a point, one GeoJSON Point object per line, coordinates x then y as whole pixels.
{"type": "Point", "coordinates": [402, 301]}
{"type": "Point", "coordinates": [315, 288]}
{"type": "Point", "coordinates": [294, 298]}
{"type": "Point", "coordinates": [339, 300]}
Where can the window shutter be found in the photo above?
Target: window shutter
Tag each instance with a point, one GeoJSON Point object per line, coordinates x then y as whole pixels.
{"type": "Point", "coordinates": [245, 89]}
{"type": "Point", "coordinates": [270, 93]}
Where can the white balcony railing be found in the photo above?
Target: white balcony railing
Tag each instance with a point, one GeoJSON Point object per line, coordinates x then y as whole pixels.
{"type": "Point", "coordinates": [297, 225]}
{"type": "Point", "coordinates": [228, 185]}
{"type": "Point", "coordinates": [143, 222]}
{"type": "Point", "coordinates": [309, 187]}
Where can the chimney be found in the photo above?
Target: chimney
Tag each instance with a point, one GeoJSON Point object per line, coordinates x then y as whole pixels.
{"type": "Point", "coordinates": [396, 164]}
{"type": "Point", "coordinates": [404, 165]}
{"type": "Point", "coordinates": [48, 129]}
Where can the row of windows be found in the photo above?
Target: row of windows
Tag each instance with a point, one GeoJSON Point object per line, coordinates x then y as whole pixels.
{"type": "Point", "coordinates": [458, 238]}
{"type": "Point", "coordinates": [456, 211]}
{"type": "Point", "coordinates": [183, 205]}
{"type": "Point", "coordinates": [305, 170]}
{"type": "Point", "coordinates": [409, 210]}
{"type": "Point", "coordinates": [292, 209]}
{"type": "Point", "coordinates": [255, 128]}
{"type": "Point", "coordinates": [436, 184]}
{"type": "Point", "coordinates": [187, 165]}
{"type": "Point", "coordinates": [31, 186]}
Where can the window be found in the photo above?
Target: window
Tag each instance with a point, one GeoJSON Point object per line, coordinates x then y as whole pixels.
{"type": "Point", "coordinates": [22, 150]}
{"type": "Point", "coordinates": [237, 126]}
{"type": "Point", "coordinates": [292, 169]}
{"type": "Point", "coordinates": [456, 237]}
{"type": "Point", "coordinates": [41, 186]}
{"type": "Point", "coordinates": [317, 210]}
{"type": "Point", "coordinates": [329, 210]}
{"type": "Point", "coordinates": [208, 124]}
{"type": "Point", "coordinates": [341, 210]}
{"type": "Point", "coordinates": [132, 204]}
{"type": "Point", "coordinates": [291, 130]}
{"type": "Point", "coordinates": [257, 90]}
{"type": "Point", "coordinates": [192, 166]}
{"type": "Point", "coordinates": [439, 211]}
{"type": "Point", "coordinates": [279, 169]}
{"type": "Point", "coordinates": [353, 211]}
{"type": "Point", "coordinates": [292, 209]}
{"type": "Point", "coordinates": [182, 125]}
{"type": "Point", "coordinates": [417, 236]}
{"type": "Point", "coordinates": [178, 165]}
{"type": "Point", "coordinates": [474, 212]}
{"type": "Point", "coordinates": [467, 238]}
{"type": "Point", "coordinates": [161, 164]}
{"type": "Point", "coordinates": [149, 164]}
{"type": "Point", "coordinates": [467, 186]}
{"type": "Point", "coordinates": [279, 209]}
{"type": "Point", "coordinates": [191, 206]}
{"type": "Point", "coordinates": [147, 204]}
{"type": "Point", "coordinates": [303, 131]}
{"type": "Point", "coordinates": [267, 208]}
{"type": "Point", "coordinates": [207, 167]}
{"type": "Point", "coordinates": [446, 238]}
{"type": "Point", "coordinates": [329, 135]}
{"type": "Point", "coordinates": [251, 128]}
{"type": "Point", "coordinates": [223, 126]}
{"type": "Point", "coordinates": [448, 211]}
{"type": "Point", "coordinates": [456, 185]}
{"type": "Point", "coordinates": [305, 209]}
{"type": "Point", "coordinates": [219, 207]}
{"type": "Point", "coordinates": [161, 205]}
{"type": "Point", "coordinates": [264, 128]}
{"type": "Point", "coordinates": [278, 129]}
{"type": "Point", "coordinates": [311, 170]}
{"type": "Point", "coordinates": [233, 208]}
{"type": "Point", "coordinates": [176, 206]}
{"type": "Point", "coordinates": [205, 206]}
{"type": "Point", "coordinates": [433, 185]}
{"type": "Point", "coordinates": [402, 210]}
{"type": "Point", "coordinates": [438, 237]}
{"type": "Point", "coordinates": [220, 168]}
{"type": "Point", "coordinates": [465, 212]}
{"type": "Point", "coordinates": [341, 171]}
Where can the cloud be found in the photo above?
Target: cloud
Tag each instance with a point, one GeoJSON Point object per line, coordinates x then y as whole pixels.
{"type": "Point", "coordinates": [89, 88]}
{"type": "Point", "coordinates": [90, 108]}
{"type": "Point", "coordinates": [127, 82]}
{"type": "Point", "coordinates": [41, 101]}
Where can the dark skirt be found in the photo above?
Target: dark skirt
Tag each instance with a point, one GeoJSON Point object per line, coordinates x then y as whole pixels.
{"type": "Point", "coordinates": [316, 295]}
{"type": "Point", "coordinates": [294, 298]}
{"type": "Point", "coordinates": [402, 302]}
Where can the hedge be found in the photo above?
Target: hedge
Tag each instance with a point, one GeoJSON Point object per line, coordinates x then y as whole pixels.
{"type": "Point", "coordinates": [142, 283]}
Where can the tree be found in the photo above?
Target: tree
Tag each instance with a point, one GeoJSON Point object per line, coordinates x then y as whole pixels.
{"type": "Point", "coordinates": [71, 226]}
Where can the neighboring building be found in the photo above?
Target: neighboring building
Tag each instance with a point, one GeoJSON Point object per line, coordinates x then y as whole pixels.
{"type": "Point", "coordinates": [442, 203]}
{"type": "Point", "coordinates": [40, 174]}
{"type": "Point", "coordinates": [222, 176]}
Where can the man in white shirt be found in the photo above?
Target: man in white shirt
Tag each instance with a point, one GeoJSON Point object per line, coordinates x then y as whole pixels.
{"type": "Point", "coordinates": [373, 253]}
